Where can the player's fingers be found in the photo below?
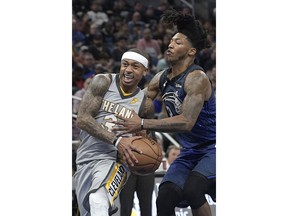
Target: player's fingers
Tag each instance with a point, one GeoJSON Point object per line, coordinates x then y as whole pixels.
{"type": "Point", "coordinates": [129, 157]}
{"type": "Point", "coordinates": [123, 159]}
{"type": "Point", "coordinates": [135, 138]}
{"type": "Point", "coordinates": [117, 122]}
{"type": "Point", "coordinates": [134, 148]}
{"type": "Point", "coordinates": [120, 117]}
{"type": "Point", "coordinates": [123, 118]}
{"type": "Point", "coordinates": [121, 133]}
{"type": "Point", "coordinates": [115, 128]}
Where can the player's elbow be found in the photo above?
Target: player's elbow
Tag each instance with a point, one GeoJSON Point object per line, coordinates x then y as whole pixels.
{"type": "Point", "coordinates": [187, 124]}
{"type": "Point", "coordinates": [188, 127]}
{"type": "Point", "coordinates": [80, 122]}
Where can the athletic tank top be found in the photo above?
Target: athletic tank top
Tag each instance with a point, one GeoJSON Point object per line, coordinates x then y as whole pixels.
{"type": "Point", "coordinates": [204, 131]}
{"type": "Point", "coordinates": [114, 103]}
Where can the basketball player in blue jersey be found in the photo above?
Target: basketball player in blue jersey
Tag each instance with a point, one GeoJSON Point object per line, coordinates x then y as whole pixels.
{"type": "Point", "coordinates": [190, 103]}
{"type": "Point", "coordinates": [99, 176]}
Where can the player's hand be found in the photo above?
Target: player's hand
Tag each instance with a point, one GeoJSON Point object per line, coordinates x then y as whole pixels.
{"type": "Point", "coordinates": [125, 150]}
{"type": "Point", "coordinates": [127, 125]}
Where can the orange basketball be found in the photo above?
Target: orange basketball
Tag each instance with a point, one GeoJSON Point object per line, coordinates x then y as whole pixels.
{"type": "Point", "coordinates": [150, 159]}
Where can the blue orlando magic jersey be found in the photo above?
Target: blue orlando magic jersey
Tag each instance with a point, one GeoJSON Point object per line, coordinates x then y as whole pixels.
{"type": "Point", "coordinates": [204, 131]}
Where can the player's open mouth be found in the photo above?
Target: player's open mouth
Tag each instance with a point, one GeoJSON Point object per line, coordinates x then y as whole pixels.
{"type": "Point", "coordinates": [128, 77]}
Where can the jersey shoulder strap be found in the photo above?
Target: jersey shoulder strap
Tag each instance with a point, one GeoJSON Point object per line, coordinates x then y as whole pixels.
{"type": "Point", "coordinates": [163, 79]}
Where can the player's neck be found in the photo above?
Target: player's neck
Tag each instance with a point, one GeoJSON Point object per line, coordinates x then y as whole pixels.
{"type": "Point", "coordinates": [126, 92]}
{"type": "Point", "coordinates": [179, 67]}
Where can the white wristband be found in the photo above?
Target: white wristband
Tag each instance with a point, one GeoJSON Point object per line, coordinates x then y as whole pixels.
{"type": "Point", "coordinates": [117, 142]}
{"type": "Point", "coordinates": [142, 123]}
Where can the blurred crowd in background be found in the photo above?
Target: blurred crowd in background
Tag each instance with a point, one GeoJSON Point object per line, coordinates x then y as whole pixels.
{"type": "Point", "coordinates": [102, 30]}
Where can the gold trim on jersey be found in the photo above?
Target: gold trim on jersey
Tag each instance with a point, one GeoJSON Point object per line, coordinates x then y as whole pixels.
{"type": "Point", "coordinates": [115, 182]}
{"type": "Point", "coordinates": [124, 93]}
{"type": "Point", "coordinates": [134, 100]}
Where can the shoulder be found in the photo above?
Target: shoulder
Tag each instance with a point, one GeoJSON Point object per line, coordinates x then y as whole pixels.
{"type": "Point", "coordinates": [100, 82]}
{"type": "Point", "coordinates": [102, 77]}
{"type": "Point", "coordinates": [197, 75]}
{"type": "Point", "coordinates": [159, 74]}
{"type": "Point", "coordinates": [196, 81]}
{"type": "Point", "coordinates": [156, 79]}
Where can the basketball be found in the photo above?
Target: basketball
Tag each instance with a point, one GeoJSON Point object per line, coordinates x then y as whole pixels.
{"type": "Point", "coordinates": [150, 159]}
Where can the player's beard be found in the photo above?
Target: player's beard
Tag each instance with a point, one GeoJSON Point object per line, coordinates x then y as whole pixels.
{"type": "Point", "coordinates": [178, 60]}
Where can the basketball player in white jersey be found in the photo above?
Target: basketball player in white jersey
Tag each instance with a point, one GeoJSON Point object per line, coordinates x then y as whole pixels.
{"type": "Point", "coordinates": [100, 176]}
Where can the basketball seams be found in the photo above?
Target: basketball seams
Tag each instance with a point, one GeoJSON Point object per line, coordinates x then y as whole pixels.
{"type": "Point", "coordinates": [148, 144]}
{"type": "Point", "coordinates": [157, 159]}
{"type": "Point", "coordinates": [150, 159]}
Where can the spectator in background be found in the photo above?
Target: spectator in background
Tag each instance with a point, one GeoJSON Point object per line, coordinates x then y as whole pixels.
{"type": "Point", "coordinates": [119, 49]}
{"type": "Point", "coordinates": [78, 38]}
{"type": "Point", "coordinates": [187, 10]}
{"type": "Point", "coordinates": [118, 23]}
{"type": "Point", "coordinates": [150, 19]}
{"type": "Point", "coordinates": [163, 35]}
{"type": "Point", "coordinates": [93, 30]}
{"type": "Point", "coordinates": [108, 30]}
{"type": "Point", "coordinates": [138, 7]}
{"type": "Point", "coordinates": [79, 94]}
{"type": "Point", "coordinates": [172, 153]}
{"type": "Point", "coordinates": [83, 69]}
{"type": "Point", "coordinates": [121, 9]}
{"type": "Point", "coordinates": [75, 108]}
{"type": "Point", "coordinates": [162, 6]}
{"type": "Point", "coordinates": [123, 31]}
{"type": "Point", "coordinates": [100, 51]}
{"type": "Point", "coordinates": [85, 25]}
{"type": "Point", "coordinates": [211, 60]}
{"type": "Point", "coordinates": [78, 56]}
{"type": "Point", "coordinates": [162, 63]}
{"type": "Point", "coordinates": [88, 65]}
{"type": "Point", "coordinates": [77, 80]}
{"type": "Point", "coordinates": [136, 27]}
{"type": "Point", "coordinates": [164, 41]}
{"type": "Point", "coordinates": [150, 45]}
{"type": "Point", "coordinates": [96, 15]}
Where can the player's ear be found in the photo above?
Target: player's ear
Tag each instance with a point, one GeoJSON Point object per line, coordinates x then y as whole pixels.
{"type": "Point", "coordinates": [192, 51]}
{"type": "Point", "coordinates": [145, 71]}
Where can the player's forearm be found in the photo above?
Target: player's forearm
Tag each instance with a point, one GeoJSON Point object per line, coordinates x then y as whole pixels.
{"type": "Point", "coordinates": [95, 129]}
{"type": "Point", "coordinates": [171, 124]}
